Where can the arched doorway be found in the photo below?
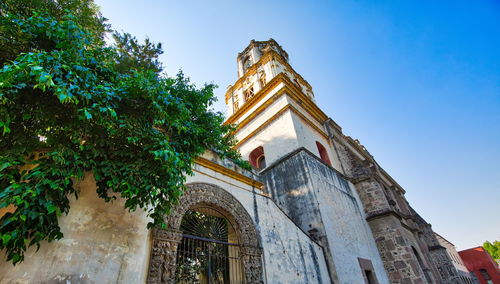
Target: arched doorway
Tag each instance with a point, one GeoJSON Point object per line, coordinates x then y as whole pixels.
{"type": "Point", "coordinates": [211, 239]}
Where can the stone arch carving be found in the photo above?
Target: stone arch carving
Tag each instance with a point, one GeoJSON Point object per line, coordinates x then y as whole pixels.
{"type": "Point", "coordinates": [164, 247]}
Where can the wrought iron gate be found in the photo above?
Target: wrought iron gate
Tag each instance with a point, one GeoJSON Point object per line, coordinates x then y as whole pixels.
{"type": "Point", "coordinates": [205, 255]}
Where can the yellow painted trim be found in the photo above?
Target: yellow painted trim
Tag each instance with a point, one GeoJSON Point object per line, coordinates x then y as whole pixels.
{"type": "Point", "coordinates": [278, 115]}
{"type": "Point", "coordinates": [310, 123]}
{"type": "Point", "coordinates": [260, 192]}
{"type": "Point", "coordinates": [228, 172]}
{"type": "Point", "coordinates": [264, 125]}
{"type": "Point", "coordinates": [289, 89]}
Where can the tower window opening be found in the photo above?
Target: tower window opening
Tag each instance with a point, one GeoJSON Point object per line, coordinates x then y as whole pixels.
{"type": "Point", "coordinates": [368, 271]}
{"type": "Point", "coordinates": [261, 162]}
{"type": "Point", "coordinates": [248, 94]}
{"type": "Point", "coordinates": [236, 105]}
{"type": "Point", "coordinates": [247, 63]}
{"type": "Point", "coordinates": [323, 154]}
{"type": "Point", "coordinates": [262, 79]}
{"type": "Point", "coordinates": [257, 158]}
{"type": "Point", "coordinates": [297, 83]}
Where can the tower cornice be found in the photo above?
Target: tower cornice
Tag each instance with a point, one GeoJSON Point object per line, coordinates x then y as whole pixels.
{"type": "Point", "coordinates": [289, 89]}
{"type": "Point", "coordinates": [266, 57]}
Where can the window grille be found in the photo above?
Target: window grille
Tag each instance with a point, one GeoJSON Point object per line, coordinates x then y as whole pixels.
{"type": "Point", "coordinates": [209, 252]}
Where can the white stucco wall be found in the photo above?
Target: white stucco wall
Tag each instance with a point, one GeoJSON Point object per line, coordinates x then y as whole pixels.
{"type": "Point", "coordinates": [322, 202]}
{"type": "Point", "coordinates": [349, 235]}
{"type": "Point", "coordinates": [277, 139]}
{"type": "Point", "coordinates": [103, 243]}
{"type": "Point", "coordinates": [290, 256]}
{"type": "Point", "coordinates": [307, 137]}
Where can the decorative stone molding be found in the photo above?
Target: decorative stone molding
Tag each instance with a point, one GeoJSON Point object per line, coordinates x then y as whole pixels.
{"type": "Point", "coordinates": [163, 256]}
{"type": "Point", "coordinates": [164, 249]}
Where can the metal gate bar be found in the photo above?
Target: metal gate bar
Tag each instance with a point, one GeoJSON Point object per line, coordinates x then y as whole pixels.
{"type": "Point", "coordinates": [205, 261]}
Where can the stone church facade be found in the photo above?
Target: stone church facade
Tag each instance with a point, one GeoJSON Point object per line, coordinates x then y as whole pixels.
{"type": "Point", "coordinates": [317, 208]}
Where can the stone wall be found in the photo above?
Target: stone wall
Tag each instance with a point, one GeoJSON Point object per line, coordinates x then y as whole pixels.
{"type": "Point", "coordinates": [322, 202]}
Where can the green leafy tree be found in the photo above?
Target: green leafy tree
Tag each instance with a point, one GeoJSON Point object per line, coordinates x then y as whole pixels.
{"type": "Point", "coordinates": [13, 41]}
{"type": "Point", "coordinates": [493, 249]}
{"type": "Point", "coordinates": [70, 105]}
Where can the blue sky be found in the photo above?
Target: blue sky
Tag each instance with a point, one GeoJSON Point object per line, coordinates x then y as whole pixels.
{"type": "Point", "coordinates": [417, 82]}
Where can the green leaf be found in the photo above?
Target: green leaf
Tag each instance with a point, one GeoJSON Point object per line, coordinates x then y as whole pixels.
{"type": "Point", "coordinates": [6, 238]}
{"type": "Point", "coordinates": [88, 115]}
{"type": "Point", "coordinates": [51, 208]}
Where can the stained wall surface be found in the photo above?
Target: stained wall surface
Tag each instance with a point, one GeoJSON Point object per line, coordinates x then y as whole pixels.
{"type": "Point", "coordinates": [103, 243]}
{"type": "Point", "coordinates": [290, 256]}
{"type": "Point", "coordinates": [322, 202]}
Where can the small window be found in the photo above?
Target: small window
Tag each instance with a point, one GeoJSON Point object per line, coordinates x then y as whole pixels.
{"type": "Point", "coordinates": [323, 154]}
{"type": "Point", "coordinates": [236, 105]}
{"type": "Point", "coordinates": [247, 63]}
{"type": "Point", "coordinates": [248, 94]}
{"type": "Point", "coordinates": [257, 158]}
{"type": "Point", "coordinates": [368, 271]}
{"type": "Point", "coordinates": [262, 78]}
{"type": "Point", "coordinates": [261, 162]}
{"type": "Point", "coordinates": [485, 274]}
{"type": "Point", "coordinates": [369, 277]}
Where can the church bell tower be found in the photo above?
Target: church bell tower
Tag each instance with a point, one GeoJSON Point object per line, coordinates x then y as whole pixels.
{"type": "Point", "coordinates": [274, 108]}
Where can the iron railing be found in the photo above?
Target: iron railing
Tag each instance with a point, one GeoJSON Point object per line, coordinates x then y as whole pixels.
{"type": "Point", "coordinates": [207, 261]}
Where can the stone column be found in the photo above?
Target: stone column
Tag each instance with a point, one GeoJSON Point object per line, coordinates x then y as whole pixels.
{"type": "Point", "coordinates": [252, 263]}
{"type": "Point", "coordinates": [163, 256]}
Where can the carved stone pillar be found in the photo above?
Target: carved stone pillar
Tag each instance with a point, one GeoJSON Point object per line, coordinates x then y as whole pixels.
{"type": "Point", "coordinates": [252, 263]}
{"type": "Point", "coordinates": [163, 256]}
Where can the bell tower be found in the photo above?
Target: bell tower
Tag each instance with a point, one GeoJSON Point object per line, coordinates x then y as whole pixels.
{"type": "Point", "coordinates": [274, 108]}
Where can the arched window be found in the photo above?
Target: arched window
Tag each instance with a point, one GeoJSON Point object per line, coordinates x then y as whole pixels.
{"type": "Point", "coordinates": [210, 238]}
{"type": "Point", "coordinates": [209, 251]}
{"type": "Point", "coordinates": [247, 62]}
{"type": "Point", "coordinates": [261, 162]}
{"type": "Point", "coordinates": [323, 154]}
{"type": "Point", "coordinates": [257, 158]}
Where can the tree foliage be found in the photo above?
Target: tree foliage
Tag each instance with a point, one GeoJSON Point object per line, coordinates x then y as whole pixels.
{"type": "Point", "coordinates": [493, 249]}
{"type": "Point", "coordinates": [69, 104]}
{"type": "Point", "coordinates": [13, 41]}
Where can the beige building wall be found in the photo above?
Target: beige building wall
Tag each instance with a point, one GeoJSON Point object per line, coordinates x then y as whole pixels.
{"type": "Point", "coordinates": [103, 243]}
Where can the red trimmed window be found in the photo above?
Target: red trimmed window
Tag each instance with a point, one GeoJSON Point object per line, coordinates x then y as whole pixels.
{"type": "Point", "coordinates": [257, 158]}
{"type": "Point", "coordinates": [323, 154]}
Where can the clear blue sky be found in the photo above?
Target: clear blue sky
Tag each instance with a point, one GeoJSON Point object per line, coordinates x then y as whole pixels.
{"type": "Point", "coordinates": [417, 82]}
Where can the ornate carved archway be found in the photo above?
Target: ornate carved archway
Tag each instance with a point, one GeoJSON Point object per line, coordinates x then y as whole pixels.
{"type": "Point", "coordinates": [164, 248]}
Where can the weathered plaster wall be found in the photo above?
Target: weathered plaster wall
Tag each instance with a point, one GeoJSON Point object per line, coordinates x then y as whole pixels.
{"type": "Point", "coordinates": [349, 235]}
{"type": "Point", "coordinates": [322, 203]}
{"type": "Point", "coordinates": [102, 243]}
{"type": "Point", "coordinates": [290, 256]}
